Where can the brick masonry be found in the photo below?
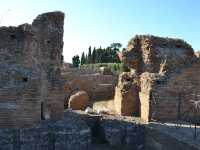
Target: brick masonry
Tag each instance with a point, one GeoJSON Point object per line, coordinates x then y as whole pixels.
{"type": "Point", "coordinates": [30, 60]}
{"type": "Point", "coordinates": [168, 75]}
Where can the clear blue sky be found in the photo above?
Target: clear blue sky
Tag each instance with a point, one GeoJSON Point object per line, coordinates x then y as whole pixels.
{"type": "Point", "coordinates": [101, 22]}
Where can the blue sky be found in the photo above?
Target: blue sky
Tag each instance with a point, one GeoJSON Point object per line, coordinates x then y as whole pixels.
{"type": "Point", "coordinates": [102, 22]}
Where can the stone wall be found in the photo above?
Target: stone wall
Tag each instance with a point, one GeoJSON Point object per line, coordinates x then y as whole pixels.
{"type": "Point", "coordinates": [77, 131]}
{"type": "Point", "coordinates": [117, 132]}
{"type": "Point", "coordinates": [167, 71]}
{"type": "Point", "coordinates": [173, 97]}
{"type": "Point", "coordinates": [70, 133]}
{"type": "Point", "coordinates": [30, 59]}
{"type": "Point", "coordinates": [81, 131]}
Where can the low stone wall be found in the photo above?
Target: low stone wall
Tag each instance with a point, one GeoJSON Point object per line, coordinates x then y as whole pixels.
{"type": "Point", "coordinates": [77, 131]}
{"type": "Point", "coordinates": [125, 133]}
{"type": "Point", "coordinates": [81, 131]}
{"type": "Point", "coordinates": [68, 134]}
{"type": "Point", "coordinates": [122, 134]}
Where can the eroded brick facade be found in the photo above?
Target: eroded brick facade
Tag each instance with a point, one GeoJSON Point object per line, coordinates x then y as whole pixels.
{"type": "Point", "coordinates": [167, 70]}
{"type": "Point", "coordinates": [30, 82]}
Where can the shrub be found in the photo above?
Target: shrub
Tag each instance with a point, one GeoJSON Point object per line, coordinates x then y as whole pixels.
{"type": "Point", "coordinates": [115, 67]}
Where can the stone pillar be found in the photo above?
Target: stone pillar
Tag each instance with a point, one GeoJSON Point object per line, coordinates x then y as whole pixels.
{"type": "Point", "coordinates": [49, 30]}
{"type": "Point", "coordinates": [126, 98]}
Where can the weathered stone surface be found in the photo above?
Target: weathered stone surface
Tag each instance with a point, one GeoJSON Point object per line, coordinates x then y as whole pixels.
{"type": "Point", "coordinates": [79, 100]}
{"type": "Point", "coordinates": [6, 139]}
{"type": "Point", "coordinates": [168, 80]}
{"type": "Point", "coordinates": [126, 98]}
{"type": "Point", "coordinates": [173, 97]}
{"type": "Point", "coordinates": [147, 83]}
{"type": "Point", "coordinates": [31, 86]}
{"type": "Point", "coordinates": [155, 54]}
{"type": "Point", "coordinates": [119, 133]}
{"type": "Point", "coordinates": [71, 133]}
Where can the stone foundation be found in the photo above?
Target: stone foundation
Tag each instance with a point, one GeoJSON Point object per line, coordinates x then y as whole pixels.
{"type": "Point", "coordinates": [81, 131]}
{"type": "Point", "coordinates": [71, 133]}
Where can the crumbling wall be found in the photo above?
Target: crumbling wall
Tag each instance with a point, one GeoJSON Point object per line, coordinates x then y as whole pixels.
{"type": "Point", "coordinates": [49, 33]}
{"type": "Point", "coordinates": [157, 55]}
{"type": "Point", "coordinates": [168, 76]}
{"type": "Point", "coordinates": [173, 97]}
{"type": "Point", "coordinates": [126, 98]}
{"type": "Point", "coordinates": [30, 86]}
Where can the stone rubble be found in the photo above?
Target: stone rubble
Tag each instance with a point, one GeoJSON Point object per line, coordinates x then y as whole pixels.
{"type": "Point", "coordinates": [78, 101]}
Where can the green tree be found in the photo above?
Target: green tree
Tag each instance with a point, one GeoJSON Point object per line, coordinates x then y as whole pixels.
{"type": "Point", "coordinates": [114, 53]}
{"type": "Point", "coordinates": [98, 55]}
{"type": "Point", "coordinates": [89, 55]}
{"type": "Point", "coordinates": [76, 61]}
{"type": "Point", "coordinates": [103, 55]}
{"type": "Point", "coordinates": [83, 58]}
{"type": "Point", "coordinates": [116, 46]}
{"type": "Point", "coordinates": [94, 56]}
{"type": "Point", "coordinates": [86, 59]}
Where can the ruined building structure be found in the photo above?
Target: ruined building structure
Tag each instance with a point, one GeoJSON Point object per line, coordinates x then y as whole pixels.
{"type": "Point", "coordinates": [98, 86]}
{"type": "Point", "coordinates": [163, 82]}
{"type": "Point", "coordinates": [30, 82]}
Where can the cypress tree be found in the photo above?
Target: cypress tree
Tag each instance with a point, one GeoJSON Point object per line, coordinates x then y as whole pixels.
{"type": "Point", "coordinates": [83, 58]}
{"type": "Point", "coordinates": [94, 56]}
{"type": "Point", "coordinates": [86, 59]}
{"type": "Point", "coordinates": [89, 55]}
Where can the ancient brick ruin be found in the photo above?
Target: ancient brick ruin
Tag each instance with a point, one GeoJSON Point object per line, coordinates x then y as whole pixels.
{"type": "Point", "coordinates": [162, 84]}
{"type": "Point", "coordinates": [167, 72]}
{"type": "Point", "coordinates": [97, 85]}
{"type": "Point", "coordinates": [30, 59]}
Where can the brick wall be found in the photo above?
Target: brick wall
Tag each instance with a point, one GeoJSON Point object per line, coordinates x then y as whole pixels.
{"type": "Point", "coordinates": [168, 75]}
{"type": "Point", "coordinates": [172, 99]}
{"type": "Point", "coordinates": [30, 71]}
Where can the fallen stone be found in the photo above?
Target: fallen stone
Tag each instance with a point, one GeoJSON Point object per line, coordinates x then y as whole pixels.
{"type": "Point", "coordinates": [78, 101]}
